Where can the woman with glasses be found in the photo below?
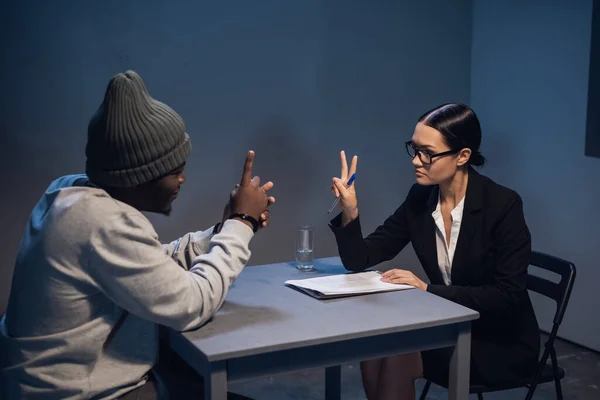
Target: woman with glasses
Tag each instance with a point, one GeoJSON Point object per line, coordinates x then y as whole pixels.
{"type": "Point", "coordinates": [470, 237]}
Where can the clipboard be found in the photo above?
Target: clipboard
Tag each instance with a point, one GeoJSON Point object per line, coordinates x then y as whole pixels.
{"type": "Point", "coordinates": [344, 285]}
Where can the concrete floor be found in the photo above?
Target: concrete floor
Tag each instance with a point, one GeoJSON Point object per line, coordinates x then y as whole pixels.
{"type": "Point", "coordinates": [582, 381]}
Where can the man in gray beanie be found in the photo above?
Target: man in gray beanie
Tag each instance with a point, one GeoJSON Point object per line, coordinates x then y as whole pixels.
{"type": "Point", "coordinates": [92, 282]}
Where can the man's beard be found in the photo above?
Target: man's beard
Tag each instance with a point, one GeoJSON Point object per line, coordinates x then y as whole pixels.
{"type": "Point", "coordinates": [166, 211]}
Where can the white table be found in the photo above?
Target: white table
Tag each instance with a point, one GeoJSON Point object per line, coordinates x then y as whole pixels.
{"type": "Point", "coordinates": [266, 328]}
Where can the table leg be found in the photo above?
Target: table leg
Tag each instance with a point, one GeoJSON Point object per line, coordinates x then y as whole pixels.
{"type": "Point", "coordinates": [333, 382]}
{"type": "Point", "coordinates": [215, 384]}
{"type": "Point", "coordinates": [460, 363]}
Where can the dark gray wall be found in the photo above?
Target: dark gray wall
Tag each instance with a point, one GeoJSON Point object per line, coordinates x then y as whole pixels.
{"type": "Point", "coordinates": [530, 65]}
{"type": "Point", "coordinates": [295, 80]}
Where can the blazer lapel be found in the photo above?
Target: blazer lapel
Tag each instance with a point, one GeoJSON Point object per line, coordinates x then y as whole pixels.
{"type": "Point", "coordinates": [427, 240]}
{"type": "Point", "coordinates": [471, 221]}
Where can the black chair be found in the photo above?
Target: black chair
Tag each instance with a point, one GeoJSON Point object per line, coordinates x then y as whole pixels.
{"type": "Point", "coordinates": [559, 292]}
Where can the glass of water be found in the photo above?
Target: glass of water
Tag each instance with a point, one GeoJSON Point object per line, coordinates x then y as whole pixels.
{"type": "Point", "coordinates": [305, 240]}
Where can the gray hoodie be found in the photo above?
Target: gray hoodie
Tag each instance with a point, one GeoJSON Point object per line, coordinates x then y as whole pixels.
{"type": "Point", "coordinates": [92, 283]}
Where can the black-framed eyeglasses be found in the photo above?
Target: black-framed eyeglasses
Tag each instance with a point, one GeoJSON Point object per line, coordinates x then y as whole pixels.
{"type": "Point", "coordinates": [425, 156]}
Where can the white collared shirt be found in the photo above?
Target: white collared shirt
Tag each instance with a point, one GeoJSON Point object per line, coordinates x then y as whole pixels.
{"type": "Point", "coordinates": [445, 253]}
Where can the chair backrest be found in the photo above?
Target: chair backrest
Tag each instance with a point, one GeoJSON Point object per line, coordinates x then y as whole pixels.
{"type": "Point", "coordinates": [559, 292]}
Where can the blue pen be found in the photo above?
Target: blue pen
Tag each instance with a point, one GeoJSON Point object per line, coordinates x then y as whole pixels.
{"type": "Point", "coordinates": [337, 199]}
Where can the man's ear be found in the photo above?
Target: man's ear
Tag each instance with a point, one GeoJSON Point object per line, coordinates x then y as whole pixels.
{"type": "Point", "coordinates": [463, 157]}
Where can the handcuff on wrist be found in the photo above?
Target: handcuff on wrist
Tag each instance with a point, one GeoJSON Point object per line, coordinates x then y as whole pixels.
{"type": "Point", "coordinates": [246, 217]}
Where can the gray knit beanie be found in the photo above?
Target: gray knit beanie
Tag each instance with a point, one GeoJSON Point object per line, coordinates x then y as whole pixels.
{"type": "Point", "coordinates": [132, 138]}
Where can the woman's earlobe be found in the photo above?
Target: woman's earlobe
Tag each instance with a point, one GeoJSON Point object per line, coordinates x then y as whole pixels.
{"type": "Point", "coordinates": [464, 156]}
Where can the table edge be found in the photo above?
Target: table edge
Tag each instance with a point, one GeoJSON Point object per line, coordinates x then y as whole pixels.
{"type": "Point", "coordinates": [174, 335]}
